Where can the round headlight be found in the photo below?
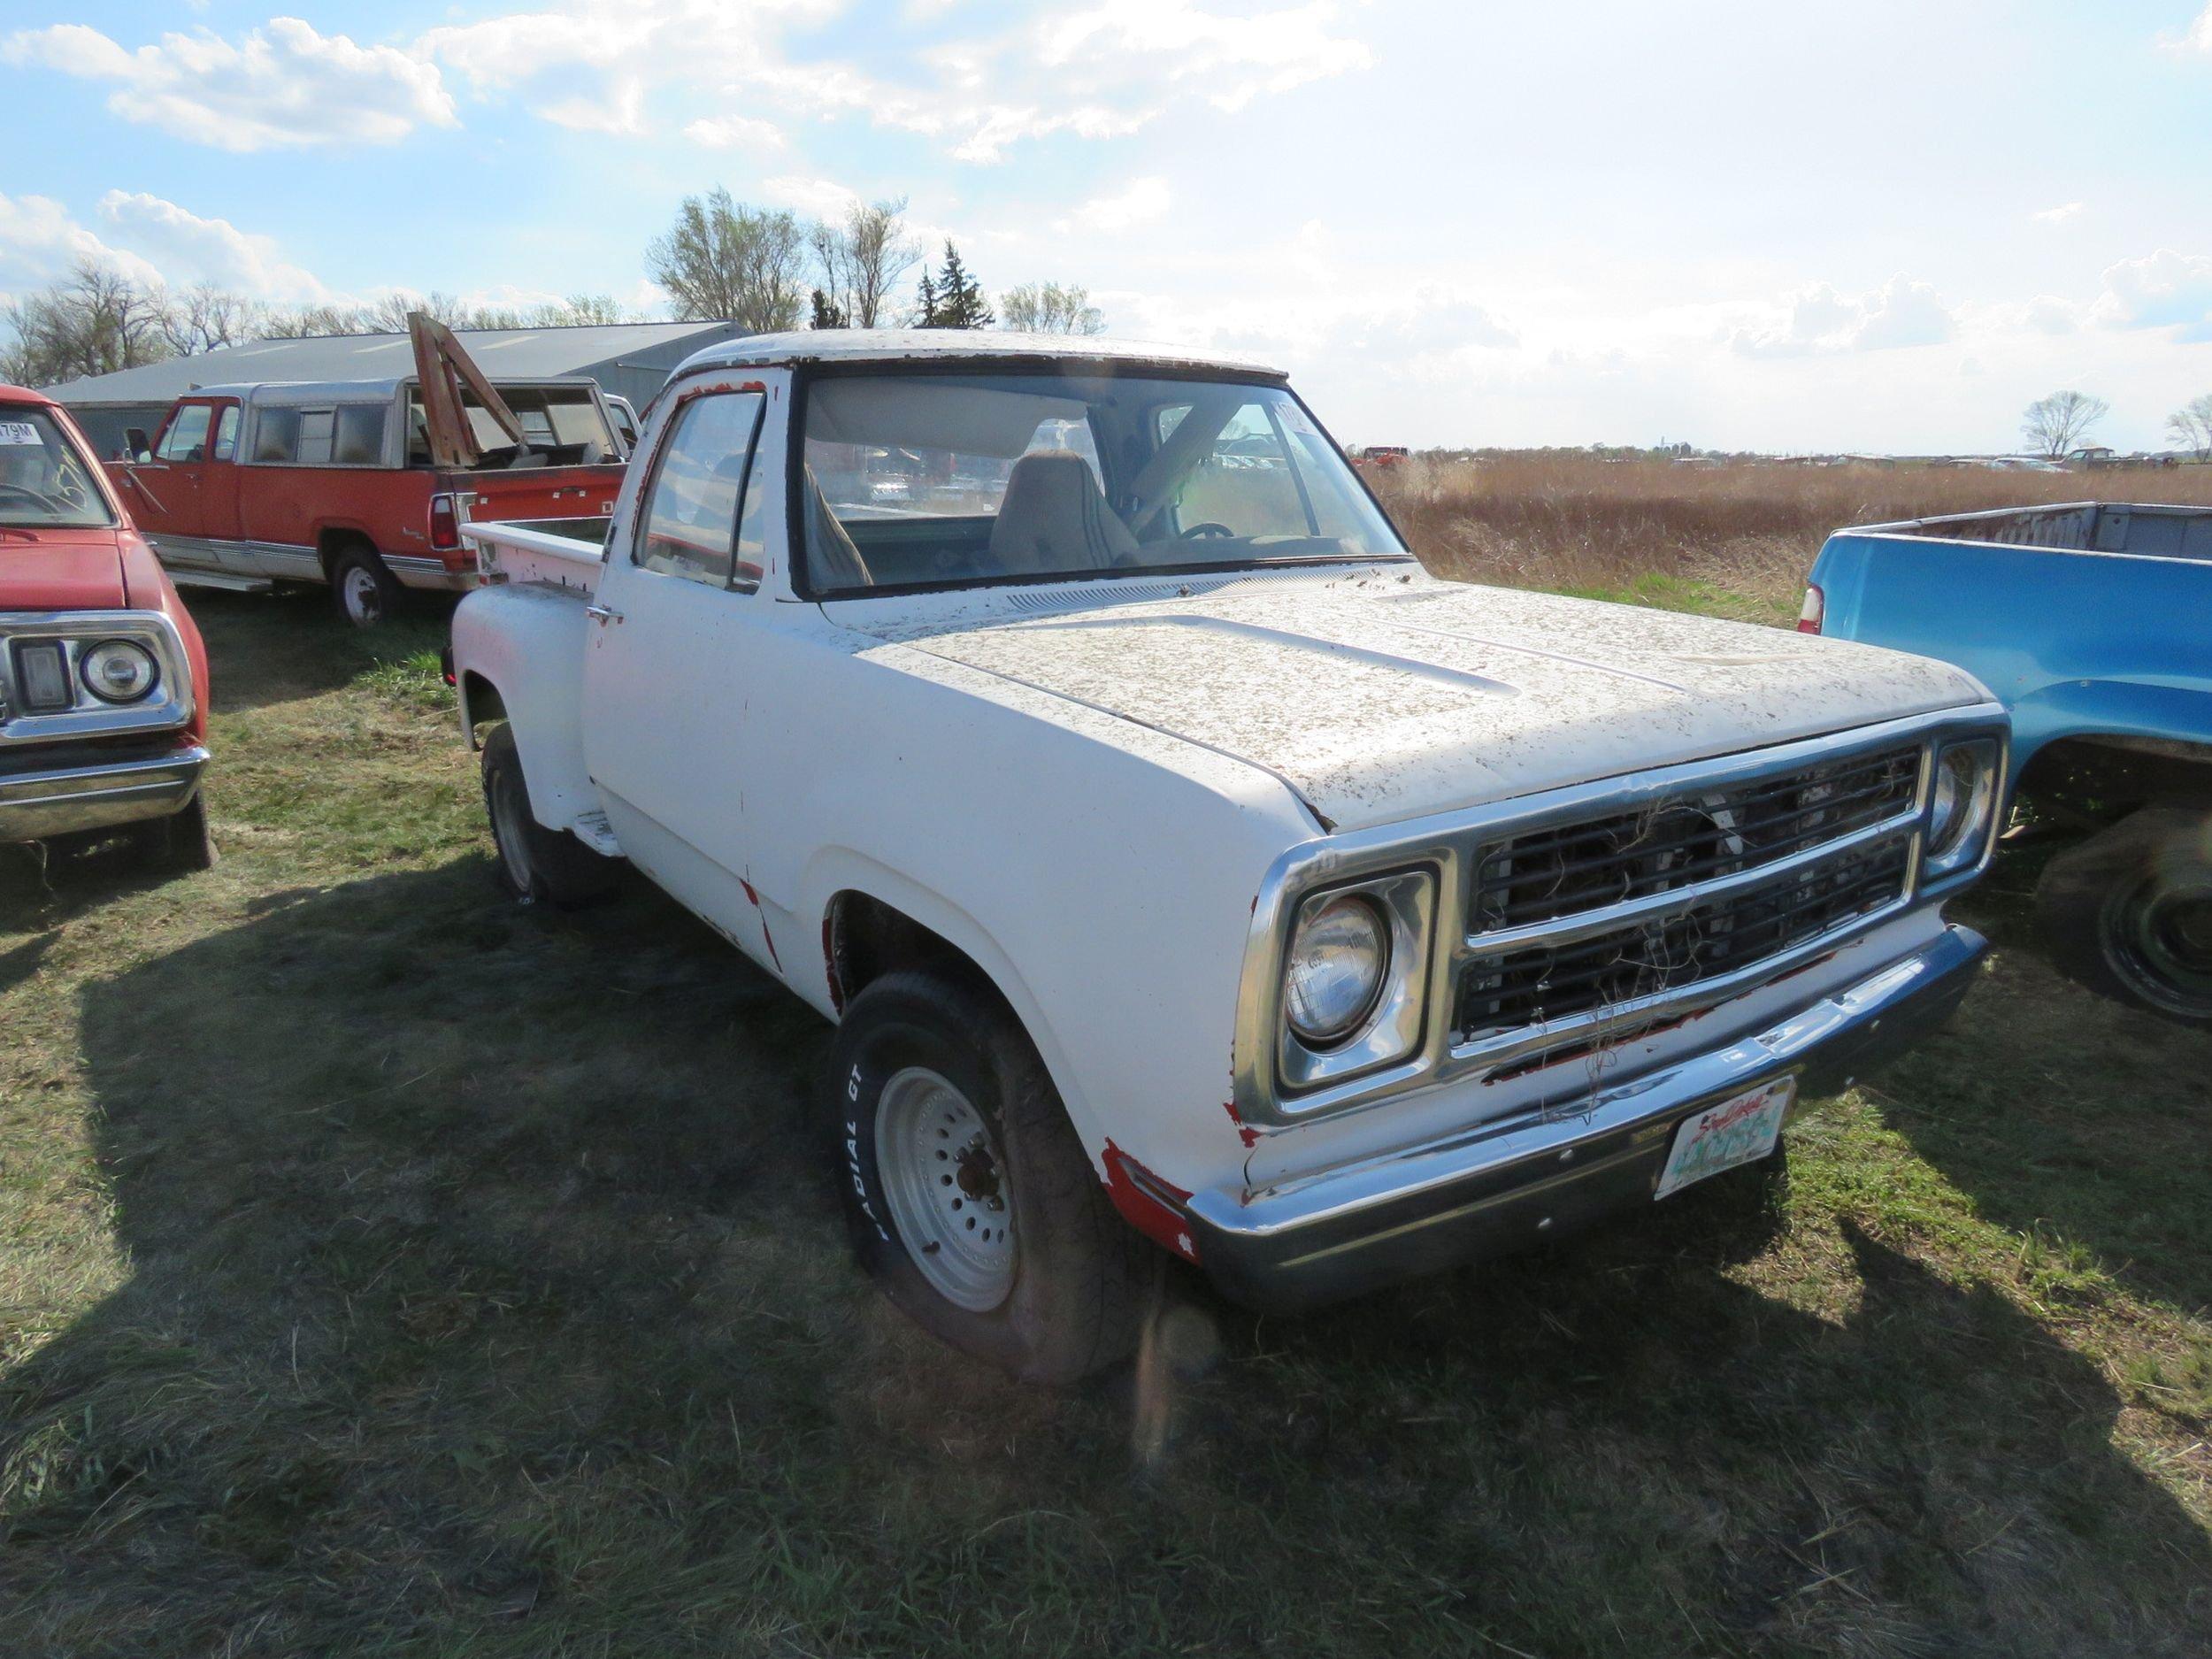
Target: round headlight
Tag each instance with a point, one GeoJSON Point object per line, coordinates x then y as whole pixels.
{"type": "Point", "coordinates": [1338, 958]}
{"type": "Point", "coordinates": [1965, 783]}
{"type": "Point", "coordinates": [116, 670]}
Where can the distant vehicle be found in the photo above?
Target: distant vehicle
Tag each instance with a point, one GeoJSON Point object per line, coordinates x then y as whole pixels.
{"type": "Point", "coordinates": [364, 484]}
{"type": "Point", "coordinates": [624, 418]}
{"type": "Point", "coordinates": [103, 678]}
{"type": "Point", "coordinates": [2094, 624]}
{"type": "Point", "coordinates": [2096, 454]}
{"type": "Point", "coordinates": [1382, 455]}
{"type": "Point", "coordinates": [1172, 850]}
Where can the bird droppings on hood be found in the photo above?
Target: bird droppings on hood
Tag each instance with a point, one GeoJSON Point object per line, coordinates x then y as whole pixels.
{"type": "Point", "coordinates": [1383, 696]}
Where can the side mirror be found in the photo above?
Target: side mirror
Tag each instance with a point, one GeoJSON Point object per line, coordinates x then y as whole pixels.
{"type": "Point", "coordinates": [134, 441]}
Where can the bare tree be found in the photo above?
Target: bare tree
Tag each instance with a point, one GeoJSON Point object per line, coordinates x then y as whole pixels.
{"type": "Point", "coordinates": [582, 310]}
{"type": "Point", "coordinates": [94, 321]}
{"type": "Point", "coordinates": [1046, 308]}
{"type": "Point", "coordinates": [204, 316]}
{"type": "Point", "coordinates": [2057, 423]}
{"type": "Point", "coordinates": [861, 259]}
{"type": "Point", "coordinates": [2190, 427]}
{"type": "Point", "coordinates": [723, 261]}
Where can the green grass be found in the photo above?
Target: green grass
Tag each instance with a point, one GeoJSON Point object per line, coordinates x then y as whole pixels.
{"type": "Point", "coordinates": [386, 1268]}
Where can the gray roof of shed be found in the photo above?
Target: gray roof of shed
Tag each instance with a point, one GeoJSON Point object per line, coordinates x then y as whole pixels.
{"type": "Point", "coordinates": [504, 354]}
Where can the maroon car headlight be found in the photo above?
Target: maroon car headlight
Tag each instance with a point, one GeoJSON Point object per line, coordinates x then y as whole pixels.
{"type": "Point", "coordinates": [118, 671]}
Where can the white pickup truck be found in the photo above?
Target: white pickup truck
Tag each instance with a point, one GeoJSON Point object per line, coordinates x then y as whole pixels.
{"type": "Point", "coordinates": [1066, 722]}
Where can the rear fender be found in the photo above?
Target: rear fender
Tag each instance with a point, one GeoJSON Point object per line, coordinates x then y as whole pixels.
{"type": "Point", "coordinates": [526, 644]}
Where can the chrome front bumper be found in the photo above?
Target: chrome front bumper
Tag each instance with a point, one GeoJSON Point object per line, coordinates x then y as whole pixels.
{"type": "Point", "coordinates": [37, 804]}
{"type": "Point", "coordinates": [1501, 1185]}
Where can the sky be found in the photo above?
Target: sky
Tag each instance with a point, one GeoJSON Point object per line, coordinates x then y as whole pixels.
{"type": "Point", "coordinates": [1881, 226]}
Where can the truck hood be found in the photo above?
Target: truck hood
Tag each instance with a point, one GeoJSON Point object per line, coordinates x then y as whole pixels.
{"type": "Point", "coordinates": [60, 569]}
{"type": "Point", "coordinates": [1389, 695]}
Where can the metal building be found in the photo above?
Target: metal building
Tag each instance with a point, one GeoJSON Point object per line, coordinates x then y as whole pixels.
{"type": "Point", "coordinates": [630, 360]}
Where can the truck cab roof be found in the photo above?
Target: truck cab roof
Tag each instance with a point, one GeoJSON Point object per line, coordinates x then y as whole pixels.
{"type": "Point", "coordinates": [281, 393]}
{"type": "Point", "coordinates": [908, 345]}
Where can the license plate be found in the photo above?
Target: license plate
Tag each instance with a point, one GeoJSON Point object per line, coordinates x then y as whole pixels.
{"type": "Point", "coordinates": [1740, 1130]}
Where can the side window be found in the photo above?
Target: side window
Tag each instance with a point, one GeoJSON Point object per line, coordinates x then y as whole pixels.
{"type": "Point", "coordinates": [359, 440]}
{"type": "Point", "coordinates": [187, 437]}
{"type": "Point", "coordinates": [276, 435]}
{"type": "Point", "coordinates": [227, 433]}
{"type": "Point", "coordinates": [691, 508]}
{"type": "Point", "coordinates": [316, 425]}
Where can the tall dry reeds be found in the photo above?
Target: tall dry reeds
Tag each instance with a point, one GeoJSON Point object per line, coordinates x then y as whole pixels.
{"type": "Point", "coordinates": [1568, 521]}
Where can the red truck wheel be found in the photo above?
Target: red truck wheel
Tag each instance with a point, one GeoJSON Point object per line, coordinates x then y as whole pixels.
{"type": "Point", "coordinates": [366, 591]}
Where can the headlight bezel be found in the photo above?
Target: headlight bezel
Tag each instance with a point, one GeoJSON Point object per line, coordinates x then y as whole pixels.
{"type": "Point", "coordinates": [89, 656]}
{"type": "Point", "coordinates": [1390, 1029]}
{"type": "Point", "coordinates": [1953, 848]}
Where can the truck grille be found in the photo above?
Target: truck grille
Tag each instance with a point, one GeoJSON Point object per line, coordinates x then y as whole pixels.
{"type": "Point", "coordinates": [1565, 869]}
{"type": "Point", "coordinates": [1543, 984]}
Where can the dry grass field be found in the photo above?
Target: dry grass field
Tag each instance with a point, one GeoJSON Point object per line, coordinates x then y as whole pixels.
{"type": "Point", "coordinates": [388, 1270]}
{"type": "Point", "coordinates": [1735, 539]}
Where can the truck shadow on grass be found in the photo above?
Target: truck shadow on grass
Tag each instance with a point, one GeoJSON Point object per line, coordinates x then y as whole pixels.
{"type": "Point", "coordinates": [487, 1291]}
{"type": "Point", "coordinates": [2067, 1119]}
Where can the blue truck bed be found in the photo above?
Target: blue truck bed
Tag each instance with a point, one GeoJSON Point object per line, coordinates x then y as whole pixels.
{"type": "Point", "coordinates": [2093, 624]}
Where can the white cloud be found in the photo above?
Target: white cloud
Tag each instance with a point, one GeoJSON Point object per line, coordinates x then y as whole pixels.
{"type": "Point", "coordinates": [283, 84]}
{"type": "Point", "coordinates": [1100, 71]}
{"type": "Point", "coordinates": [2160, 290]}
{"type": "Point", "coordinates": [1901, 312]}
{"type": "Point", "coordinates": [620, 113]}
{"type": "Point", "coordinates": [189, 249]}
{"type": "Point", "coordinates": [2058, 215]}
{"type": "Point", "coordinates": [2048, 314]}
{"type": "Point", "coordinates": [1234, 60]}
{"type": "Point", "coordinates": [2196, 38]}
{"type": "Point", "coordinates": [40, 241]}
{"type": "Point", "coordinates": [735, 132]}
{"type": "Point", "coordinates": [1142, 202]}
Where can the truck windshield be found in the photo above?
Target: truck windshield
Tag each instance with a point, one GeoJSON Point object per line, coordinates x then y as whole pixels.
{"type": "Point", "coordinates": [937, 480]}
{"type": "Point", "coordinates": [45, 483]}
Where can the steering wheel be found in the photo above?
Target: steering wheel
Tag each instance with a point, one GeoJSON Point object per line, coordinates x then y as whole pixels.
{"type": "Point", "coordinates": [40, 496]}
{"type": "Point", "coordinates": [1191, 533]}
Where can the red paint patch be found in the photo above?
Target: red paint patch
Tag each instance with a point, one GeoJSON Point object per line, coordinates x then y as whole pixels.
{"type": "Point", "coordinates": [1245, 1132]}
{"type": "Point", "coordinates": [1143, 1199]}
{"type": "Point", "coordinates": [764, 934]}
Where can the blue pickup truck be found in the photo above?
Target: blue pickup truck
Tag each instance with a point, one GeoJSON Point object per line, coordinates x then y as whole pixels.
{"type": "Point", "coordinates": [2093, 622]}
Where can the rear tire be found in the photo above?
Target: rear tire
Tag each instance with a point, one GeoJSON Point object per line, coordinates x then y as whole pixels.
{"type": "Point", "coordinates": [2128, 913]}
{"type": "Point", "coordinates": [363, 586]}
{"type": "Point", "coordinates": [536, 862]}
{"type": "Point", "coordinates": [947, 1127]}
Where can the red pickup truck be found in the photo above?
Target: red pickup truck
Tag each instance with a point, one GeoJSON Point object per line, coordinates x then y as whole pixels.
{"type": "Point", "coordinates": [103, 678]}
{"type": "Point", "coordinates": [364, 484]}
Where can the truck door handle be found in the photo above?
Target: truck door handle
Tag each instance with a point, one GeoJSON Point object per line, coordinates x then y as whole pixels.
{"type": "Point", "coordinates": [602, 614]}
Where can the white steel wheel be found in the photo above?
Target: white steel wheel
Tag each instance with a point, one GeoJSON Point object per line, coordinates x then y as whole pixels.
{"type": "Point", "coordinates": [944, 1179]}
{"type": "Point", "coordinates": [361, 595]}
{"type": "Point", "coordinates": [510, 833]}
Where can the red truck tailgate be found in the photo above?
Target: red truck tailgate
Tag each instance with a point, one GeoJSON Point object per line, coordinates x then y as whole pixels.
{"type": "Point", "coordinates": [538, 492]}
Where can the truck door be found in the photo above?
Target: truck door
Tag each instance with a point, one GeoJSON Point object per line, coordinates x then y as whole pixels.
{"type": "Point", "coordinates": [184, 509]}
{"type": "Point", "coordinates": [667, 674]}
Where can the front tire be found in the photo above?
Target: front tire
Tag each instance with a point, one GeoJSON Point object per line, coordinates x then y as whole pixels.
{"type": "Point", "coordinates": [363, 586]}
{"type": "Point", "coordinates": [2129, 912]}
{"type": "Point", "coordinates": [187, 844]}
{"type": "Point", "coordinates": [536, 862]}
{"type": "Point", "coordinates": [969, 1196]}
